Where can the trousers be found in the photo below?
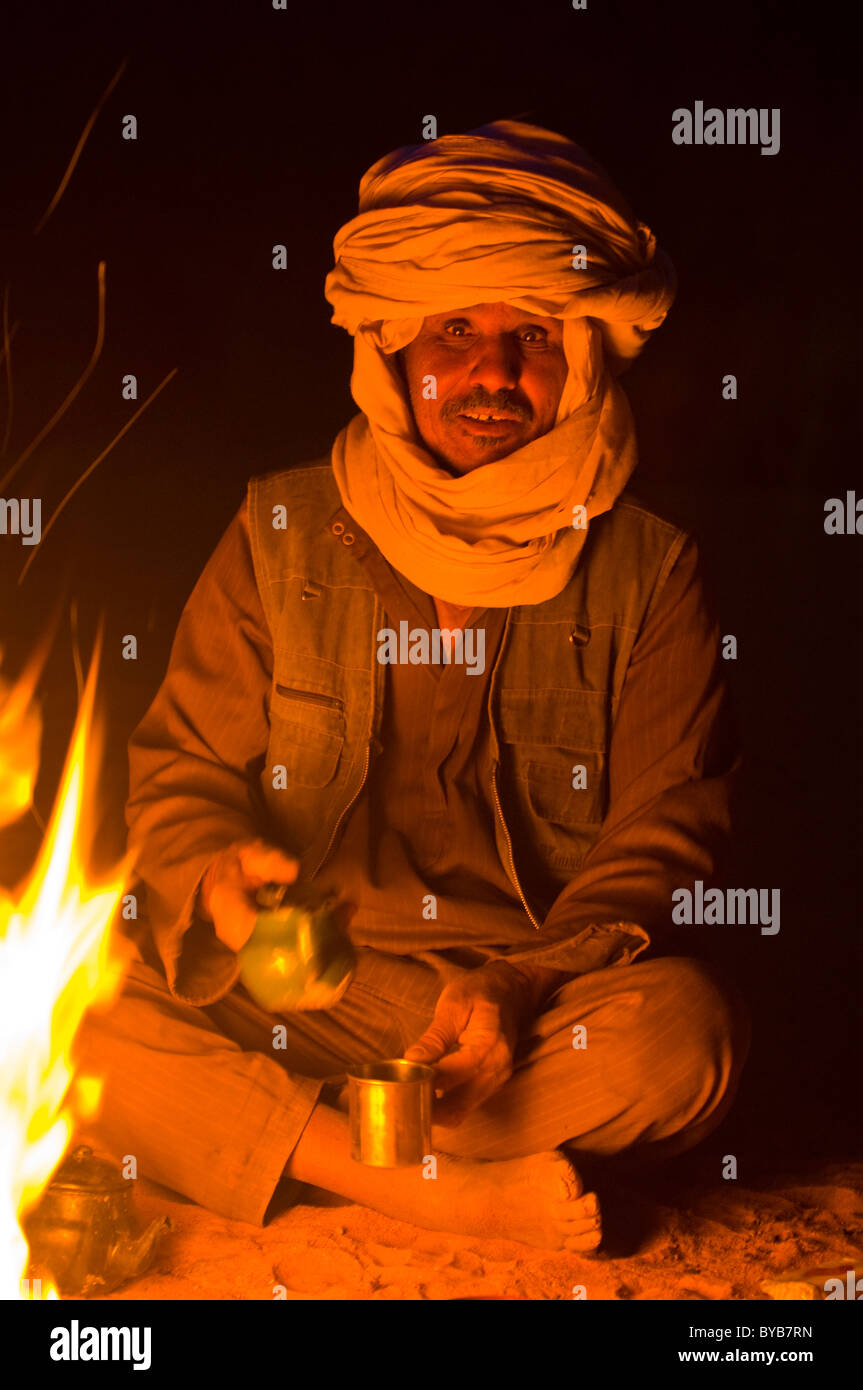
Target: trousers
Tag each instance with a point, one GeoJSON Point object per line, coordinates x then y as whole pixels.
{"type": "Point", "coordinates": [644, 1057]}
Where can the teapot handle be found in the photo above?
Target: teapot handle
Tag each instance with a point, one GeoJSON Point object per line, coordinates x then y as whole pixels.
{"type": "Point", "coordinates": [271, 895]}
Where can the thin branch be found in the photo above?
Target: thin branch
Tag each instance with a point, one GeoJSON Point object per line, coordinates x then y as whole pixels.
{"type": "Point", "coordinates": [74, 488]}
{"type": "Point", "coordinates": [76, 653]}
{"type": "Point", "coordinates": [76, 153]}
{"type": "Point", "coordinates": [7, 346]}
{"type": "Point", "coordinates": [6, 356]}
{"type": "Point", "coordinates": [100, 337]}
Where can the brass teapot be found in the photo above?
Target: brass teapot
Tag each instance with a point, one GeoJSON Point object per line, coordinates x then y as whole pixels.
{"type": "Point", "coordinates": [299, 956]}
{"type": "Point", "coordinates": [82, 1233]}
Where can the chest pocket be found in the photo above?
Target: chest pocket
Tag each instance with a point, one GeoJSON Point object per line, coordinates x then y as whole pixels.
{"type": "Point", "coordinates": [307, 735]}
{"type": "Point", "coordinates": [568, 789]}
{"type": "Point", "coordinates": [553, 746]}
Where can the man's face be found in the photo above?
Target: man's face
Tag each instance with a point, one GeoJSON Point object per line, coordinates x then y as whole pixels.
{"type": "Point", "coordinates": [490, 359]}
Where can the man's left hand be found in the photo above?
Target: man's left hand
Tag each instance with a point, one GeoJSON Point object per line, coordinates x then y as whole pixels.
{"type": "Point", "coordinates": [481, 1015]}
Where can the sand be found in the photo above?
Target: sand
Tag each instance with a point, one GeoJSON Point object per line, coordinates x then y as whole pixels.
{"type": "Point", "coordinates": [670, 1235]}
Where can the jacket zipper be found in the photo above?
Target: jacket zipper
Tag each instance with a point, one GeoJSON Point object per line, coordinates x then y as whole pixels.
{"type": "Point", "coordinates": [509, 850]}
{"type": "Point", "coordinates": [310, 697]}
{"type": "Point", "coordinates": [344, 812]}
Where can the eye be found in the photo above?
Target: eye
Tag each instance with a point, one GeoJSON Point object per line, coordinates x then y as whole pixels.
{"type": "Point", "coordinates": [539, 334]}
{"type": "Point", "coordinates": [455, 328]}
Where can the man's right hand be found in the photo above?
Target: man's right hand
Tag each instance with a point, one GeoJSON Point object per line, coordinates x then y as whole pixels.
{"type": "Point", "coordinates": [228, 888]}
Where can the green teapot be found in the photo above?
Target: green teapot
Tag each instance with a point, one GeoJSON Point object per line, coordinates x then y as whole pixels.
{"type": "Point", "coordinates": [299, 956]}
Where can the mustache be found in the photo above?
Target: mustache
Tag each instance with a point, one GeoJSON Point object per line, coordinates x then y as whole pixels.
{"type": "Point", "coordinates": [480, 400]}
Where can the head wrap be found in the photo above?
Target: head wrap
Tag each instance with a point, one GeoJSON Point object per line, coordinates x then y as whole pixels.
{"type": "Point", "coordinates": [489, 217]}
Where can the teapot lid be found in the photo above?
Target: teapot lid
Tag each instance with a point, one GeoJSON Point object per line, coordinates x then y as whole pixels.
{"type": "Point", "coordinates": [82, 1169]}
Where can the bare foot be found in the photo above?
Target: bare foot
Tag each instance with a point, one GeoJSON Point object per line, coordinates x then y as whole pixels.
{"type": "Point", "coordinates": [537, 1200]}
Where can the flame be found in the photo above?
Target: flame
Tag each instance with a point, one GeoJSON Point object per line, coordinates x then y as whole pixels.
{"type": "Point", "coordinates": [20, 731]}
{"type": "Point", "coordinates": [57, 960]}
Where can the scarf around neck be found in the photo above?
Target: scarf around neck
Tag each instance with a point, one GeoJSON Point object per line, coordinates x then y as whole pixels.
{"type": "Point", "coordinates": [495, 216]}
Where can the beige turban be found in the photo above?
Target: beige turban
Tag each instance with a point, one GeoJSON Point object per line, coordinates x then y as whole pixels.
{"type": "Point", "coordinates": [508, 213]}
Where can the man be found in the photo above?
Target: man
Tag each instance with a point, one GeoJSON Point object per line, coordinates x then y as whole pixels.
{"type": "Point", "coordinates": [507, 832]}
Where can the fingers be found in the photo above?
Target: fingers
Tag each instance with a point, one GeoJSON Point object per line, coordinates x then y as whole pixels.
{"type": "Point", "coordinates": [471, 1024]}
{"type": "Point", "coordinates": [462, 1092]}
{"type": "Point", "coordinates": [454, 1067]}
{"type": "Point", "coordinates": [450, 1018]}
{"type": "Point", "coordinates": [481, 1063]}
{"type": "Point", "coordinates": [482, 1052]}
{"type": "Point", "coordinates": [234, 916]}
{"type": "Point", "coordinates": [262, 863]}
{"type": "Point", "coordinates": [435, 1041]}
{"type": "Point", "coordinates": [227, 896]}
{"type": "Point", "coordinates": [461, 1066]}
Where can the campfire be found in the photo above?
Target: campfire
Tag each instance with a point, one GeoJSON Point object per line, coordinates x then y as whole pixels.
{"type": "Point", "coordinates": [58, 958]}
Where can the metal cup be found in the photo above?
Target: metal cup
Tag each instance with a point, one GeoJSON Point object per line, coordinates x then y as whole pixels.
{"type": "Point", "coordinates": [390, 1113]}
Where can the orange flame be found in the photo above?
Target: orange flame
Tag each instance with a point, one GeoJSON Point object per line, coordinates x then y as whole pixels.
{"type": "Point", "coordinates": [20, 731]}
{"type": "Point", "coordinates": [57, 959]}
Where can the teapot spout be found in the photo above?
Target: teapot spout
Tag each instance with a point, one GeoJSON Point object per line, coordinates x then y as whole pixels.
{"type": "Point", "coordinates": [128, 1258]}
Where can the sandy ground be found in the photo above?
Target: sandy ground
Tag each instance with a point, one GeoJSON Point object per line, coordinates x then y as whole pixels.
{"type": "Point", "coordinates": [673, 1235]}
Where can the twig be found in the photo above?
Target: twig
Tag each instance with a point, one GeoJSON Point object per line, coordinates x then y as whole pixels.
{"type": "Point", "coordinates": [74, 488]}
{"type": "Point", "coordinates": [6, 356]}
{"type": "Point", "coordinates": [76, 653]}
{"type": "Point", "coordinates": [76, 153]}
{"type": "Point", "coordinates": [100, 336]}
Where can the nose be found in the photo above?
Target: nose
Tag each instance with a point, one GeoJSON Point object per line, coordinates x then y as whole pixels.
{"type": "Point", "coordinates": [496, 365]}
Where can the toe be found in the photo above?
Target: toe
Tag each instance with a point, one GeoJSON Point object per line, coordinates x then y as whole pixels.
{"type": "Point", "coordinates": [569, 1179]}
{"type": "Point", "coordinates": [579, 1225]}
{"type": "Point", "coordinates": [585, 1205]}
{"type": "Point", "coordinates": [588, 1240]}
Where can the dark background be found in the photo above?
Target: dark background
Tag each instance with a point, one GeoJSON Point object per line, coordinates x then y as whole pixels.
{"type": "Point", "coordinates": [254, 127]}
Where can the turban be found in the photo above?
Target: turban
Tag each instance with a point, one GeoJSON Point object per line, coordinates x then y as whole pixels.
{"type": "Point", "coordinates": [514, 214]}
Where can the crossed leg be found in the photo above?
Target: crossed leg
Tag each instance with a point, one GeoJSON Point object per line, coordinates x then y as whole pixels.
{"type": "Point", "coordinates": [220, 1103]}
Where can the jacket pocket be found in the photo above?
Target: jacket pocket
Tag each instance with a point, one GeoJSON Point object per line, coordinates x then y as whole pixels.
{"type": "Point", "coordinates": [307, 735]}
{"type": "Point", "coordinates": [557, 789]}
{"type": "Point", "coordinates": [545, 736]}
{"type": "Point", "coordinates": [311, 697]}
{"type": "Point", "coordinates": [556, 719]}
